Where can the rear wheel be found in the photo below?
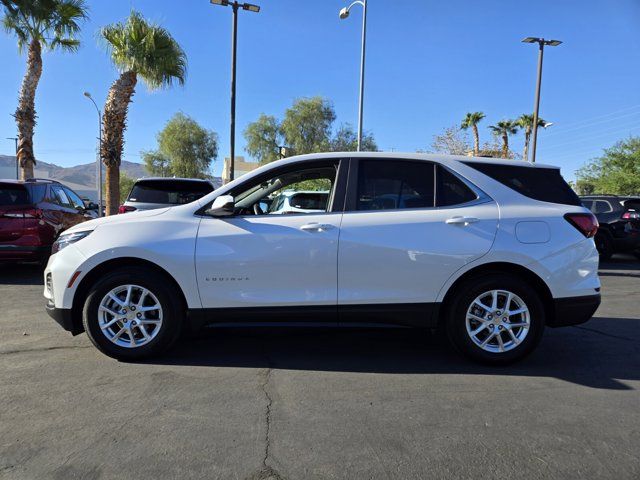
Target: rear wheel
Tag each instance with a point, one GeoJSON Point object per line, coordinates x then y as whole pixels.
{"type": "Point", "coordinates": [131, 314]}
{"type": "Point", "coordinates": [495, 319]}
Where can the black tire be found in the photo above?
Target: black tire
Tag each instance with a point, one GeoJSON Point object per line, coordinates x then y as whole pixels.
{"type": "Point", "coordinates": [172, 313]}
{"type": "Point", "coordinates": [604, 246]}
{"type": "Point", "coordinates": [462, 299]}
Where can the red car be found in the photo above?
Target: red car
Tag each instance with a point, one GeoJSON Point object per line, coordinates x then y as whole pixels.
{"type": "Point", "coordinates": [32, 215]}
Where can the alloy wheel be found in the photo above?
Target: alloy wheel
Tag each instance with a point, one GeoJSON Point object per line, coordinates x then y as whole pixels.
{"type": "Point", "coordinates": [130, 316]}
{"type": "Point", "coordinates": [498, 321]}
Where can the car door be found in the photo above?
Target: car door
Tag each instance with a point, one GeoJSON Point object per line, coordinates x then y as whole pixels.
{"type": "Point", "coordinates": [78, 205]}
{"type": "Point", "coordinates": [265, 259]}
{"type": "Point", "coordinates": [65, 211]}
{"type": "Point", "coordinates": [407, 227]}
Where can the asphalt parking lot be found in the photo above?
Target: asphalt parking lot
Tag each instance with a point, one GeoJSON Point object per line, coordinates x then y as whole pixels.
{"type": "Point", "coordinates": [312, 404]}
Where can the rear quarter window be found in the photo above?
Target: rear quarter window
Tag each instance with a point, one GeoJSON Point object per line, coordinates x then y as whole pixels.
{"type": "Point", "coordinates": [543, 184]}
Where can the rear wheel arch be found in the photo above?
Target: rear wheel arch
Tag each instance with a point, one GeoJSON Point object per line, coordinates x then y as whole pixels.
{"type": "Point", "coordinates": [501, 268]}
{"type": "Point", "coordinates": [101, 269]}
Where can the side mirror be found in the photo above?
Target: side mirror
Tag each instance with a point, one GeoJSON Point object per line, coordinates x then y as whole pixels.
{"type": "Point", "coordinates": [223, 206]}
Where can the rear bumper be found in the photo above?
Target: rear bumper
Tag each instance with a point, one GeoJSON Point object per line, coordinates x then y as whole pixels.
{"type": "Point", "coordinates": [574, 310]}
{"type": "Point", "coordinates": [64, 318]}
{"type": "Point", "coordinates": [19, 252]}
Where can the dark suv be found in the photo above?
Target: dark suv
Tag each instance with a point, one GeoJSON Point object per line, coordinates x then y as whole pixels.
{"type": "Point", "coordinates": [619, 220]}
{"type": "Point", "coordinates": [32, 215]}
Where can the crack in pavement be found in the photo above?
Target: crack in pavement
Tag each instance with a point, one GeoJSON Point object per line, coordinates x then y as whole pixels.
{"type": "Point", "coordinates": [267, 472]}
{"type": "Point", "coordinates": [42, 349]}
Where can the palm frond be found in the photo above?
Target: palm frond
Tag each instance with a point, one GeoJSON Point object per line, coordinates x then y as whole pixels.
{"type": "Point", "coordinates": [146, 49]}
{"type": "Point", "coordinates": [53, 23]}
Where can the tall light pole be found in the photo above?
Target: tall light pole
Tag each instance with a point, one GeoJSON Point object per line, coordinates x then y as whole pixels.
{"type": "Point", "coordinates": [234, 39]}
{"type": "Point", "coordinates": [15, 139]}
{"type": "Point", "coordinates": [541, 44]}
{"type": "Point", "coordinates": [99, 162]}
{"type": "Point", "coordinates": [344, 13]}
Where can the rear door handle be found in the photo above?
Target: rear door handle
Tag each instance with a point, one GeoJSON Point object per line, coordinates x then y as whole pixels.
{"type": "Point", "coordinates": [462, 220]}
{"type": "Point", "coordinates": [316, 227]}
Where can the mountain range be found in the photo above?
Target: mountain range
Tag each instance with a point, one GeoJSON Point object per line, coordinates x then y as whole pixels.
{"type": "Point", "coordinates": [79, 177]}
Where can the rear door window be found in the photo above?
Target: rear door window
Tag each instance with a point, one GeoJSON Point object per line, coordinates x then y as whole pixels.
{"type": "Point", "coordinates": [601, 206]}
{"type": "Point", "coordinates": [60, 197]}
{"type": "Point", "coordinates": [76, 201]}
{"type": "Point", "coordinates": [170, 192]}
{"type": "Point", "coordinates": [11, 195]}
{"type": "Point", "coordinates": [543, 184]}
{"type": "Point", "coordinates": [395, 184]}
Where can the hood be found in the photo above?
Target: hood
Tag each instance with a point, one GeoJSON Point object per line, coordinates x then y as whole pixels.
{"type": "Point", "coordinates": [120, 218]}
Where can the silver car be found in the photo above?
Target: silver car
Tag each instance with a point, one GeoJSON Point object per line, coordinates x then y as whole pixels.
{"type": "Point", "coordinates": [150, 193]}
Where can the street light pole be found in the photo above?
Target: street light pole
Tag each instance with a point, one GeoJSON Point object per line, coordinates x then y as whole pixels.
{"type": "Point", "coordinates": [344, 13]}
{"type": "Point", "coordinates": [15, 139]}
{"type": "Point", "coordinates": [232, 127]}
{"type": "Point", "coordinates": [234, 41]}
{"type": "Point", "coordinates": [541, 44]}
{"type": "Point", "coordinates": [99, 160]}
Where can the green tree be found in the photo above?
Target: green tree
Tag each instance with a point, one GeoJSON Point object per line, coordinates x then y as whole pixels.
{"type": "Point", "coordinates": [137, 48]}
{"type": "Point", "coordinates": [185, 149]}
{"type": "Point", "coordinates": [525, 122]}
{"type": "Point", "coordinates": [503, 129]}
{"type": "Point", "coordinates": [617, 171]}
{"type": "Point", "coordinates": [264, 137]}
{"type": "Point", "coordinates": [51, 24]}
{"type": "Point", "coordinates": [346, 140]}
{"type": "Point", "coordinates": [156, 163]}
{"type": "Point", "coordinates": [126, 184]}
{"type": "Point", "coordinates": [306, 127]}
{"type": "Point", "coordinates": [471, 120]}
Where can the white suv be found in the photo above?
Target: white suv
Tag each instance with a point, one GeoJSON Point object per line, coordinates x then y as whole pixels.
{"type": "Point", "coordinates": [491, 250]}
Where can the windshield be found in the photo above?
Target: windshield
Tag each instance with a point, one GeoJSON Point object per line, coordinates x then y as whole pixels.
{"type": "Point", "coordinates": [169, 192]}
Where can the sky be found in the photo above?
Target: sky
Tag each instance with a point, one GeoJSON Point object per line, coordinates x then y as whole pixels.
{"type": "Point", "coordinates": [428, 63]}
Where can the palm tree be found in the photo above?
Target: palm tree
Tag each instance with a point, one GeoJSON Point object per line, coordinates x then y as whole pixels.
{"type": "Point", "coordinates": [504, 128]}
{"type": "Point", "coordinates": [137, 48]}
{"type": "Point", "coordinates": [471, 120]}
{"type": "Point", "coordinates": [526, 123]}
{"type": "Point", "coordinates": [38, 23]}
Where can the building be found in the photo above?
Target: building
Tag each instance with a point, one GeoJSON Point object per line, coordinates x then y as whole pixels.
{"type": "Point", "coordinates": [240, 168]}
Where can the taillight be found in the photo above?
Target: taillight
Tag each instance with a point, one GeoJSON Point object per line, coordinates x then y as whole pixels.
{"type": "Point", "coordinates": [125, 209]}
{"type": "Point", "coordinates": [630, 215]}
{"type": "Point", "coordinates": [586, 223]}
{"type": "Point", "coordinates": [28, 213]}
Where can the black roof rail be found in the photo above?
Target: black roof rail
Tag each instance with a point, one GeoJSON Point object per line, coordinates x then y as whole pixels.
{"type": "Point", "coordinates": [50, 180]}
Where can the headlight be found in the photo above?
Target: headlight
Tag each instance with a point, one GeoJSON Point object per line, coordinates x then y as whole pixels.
{"type": "Point", "coordinates": [67, 239]}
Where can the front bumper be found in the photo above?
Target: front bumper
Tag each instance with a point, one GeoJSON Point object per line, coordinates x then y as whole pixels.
{"type": "Point", "coordinates": [573, 310]}
{"type": "Point", "coordinates": [65, 318]}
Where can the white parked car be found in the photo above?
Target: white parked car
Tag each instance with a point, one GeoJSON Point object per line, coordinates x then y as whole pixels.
{"type": "Point", "coordinates": [492, 250]}
{"type": "Point", "coordinates": [159, 192]}
{"type": "Point", "coordinates": [303, 201]}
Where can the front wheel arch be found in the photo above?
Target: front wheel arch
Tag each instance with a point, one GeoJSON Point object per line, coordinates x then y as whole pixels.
{"type": "Point", "coordinates": [103, 268]}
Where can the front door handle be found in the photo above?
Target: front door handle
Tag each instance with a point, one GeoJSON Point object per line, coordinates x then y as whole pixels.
{"type": "Point", "coordinates": [462, 220]}
{"type": "Point", "coordinates": [316, 227]}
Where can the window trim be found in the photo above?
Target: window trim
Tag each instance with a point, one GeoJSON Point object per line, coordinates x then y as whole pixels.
{"type": "Point", "coordinates": [351, 200]}
{"type": "Point", "coordinates": [336, 198]}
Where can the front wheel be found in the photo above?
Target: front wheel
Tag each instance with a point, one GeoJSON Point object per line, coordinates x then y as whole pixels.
{"type": "Point", "coordinates": [495, 319]}
{"type": "Point", "coordinates": [131, 314]}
